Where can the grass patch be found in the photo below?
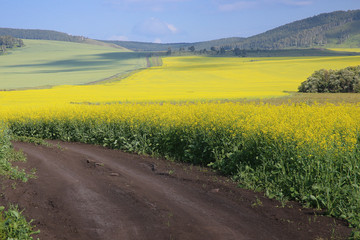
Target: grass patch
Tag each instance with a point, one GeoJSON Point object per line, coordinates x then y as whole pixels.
{"type": "Point", "coordinates": [7, 156]}
{"type": "Point", "coordinates": [37, 141]}
{"type": "Point", "coordinates": [13, 225]}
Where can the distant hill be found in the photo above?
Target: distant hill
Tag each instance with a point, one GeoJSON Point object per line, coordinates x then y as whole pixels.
{"type": "Point", "coordinates": [51, 35]}
{"type": "Point", "coordinates": [336, 29]}
{"type": "Point", "coordinates": [39, 34]}
{"type": "Point", "coordinates": [147, 46]}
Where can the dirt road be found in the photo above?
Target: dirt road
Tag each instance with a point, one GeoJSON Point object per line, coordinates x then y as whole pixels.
{"type": "Point", "coordinates": [89, 192]}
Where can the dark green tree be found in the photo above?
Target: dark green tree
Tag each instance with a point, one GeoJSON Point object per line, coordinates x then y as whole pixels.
{"type": "Point", "coordinates": [331, 81]}
{"type": "Point", "coordinates": [222, 51]}
{"type": "Point", "coordinates": [237, 51]}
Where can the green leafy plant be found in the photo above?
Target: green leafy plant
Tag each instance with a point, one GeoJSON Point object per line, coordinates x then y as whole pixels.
{"type": "Point", "coordinates": [13, 225]}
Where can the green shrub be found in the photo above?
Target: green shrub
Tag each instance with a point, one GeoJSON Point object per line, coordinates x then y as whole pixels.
{"type": "Point", "coordinates": [330, 81]}
{"type": "Point", "coordinates": [13, 225]}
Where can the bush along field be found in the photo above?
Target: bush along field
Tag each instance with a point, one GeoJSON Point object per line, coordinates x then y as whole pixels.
{"type": "Point", "coordinates": [13, 224]}
{"type": "Point", "coordinates": [345, 80]}
{"type": "Point", "coordinates": [306, 153]}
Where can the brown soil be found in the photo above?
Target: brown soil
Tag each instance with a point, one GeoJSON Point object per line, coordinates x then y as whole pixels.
{"type": "Point", "coordinates": [89, 192]}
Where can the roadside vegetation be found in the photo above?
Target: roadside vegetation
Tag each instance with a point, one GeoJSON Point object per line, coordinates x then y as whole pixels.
{"type": "Point", "coordinates": [13, 224]}
{"type": "Point", "coordinates": [8, 155]}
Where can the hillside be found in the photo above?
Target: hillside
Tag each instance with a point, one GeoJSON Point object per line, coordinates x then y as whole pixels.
{"type": "Point", "coordinates": [147, 46]}
{"type": "Point", "coordinates": [38, 34]}
{"type": "Point", "coordinates": [44, 63]}
{"type": "Point", "coordinates": [336, 29]}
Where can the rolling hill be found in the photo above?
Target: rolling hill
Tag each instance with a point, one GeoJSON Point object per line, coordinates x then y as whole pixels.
{"type": "Point", "coordinates": [37, 34]}
{"type": "Point", "coordinates": [338, 28]}
{"type": "Point", "coordinates": [46, 63]}
{"type": "Point", "coordinates": [335, 29]}
{"type": "Point", "coordinates": [40, 34]}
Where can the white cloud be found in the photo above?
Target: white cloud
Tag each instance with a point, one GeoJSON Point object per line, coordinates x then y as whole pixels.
{"type": "Point", "coordinates": [236, 6]}
{"type": "Point", "coordinates": [172, 28]}
{"type": "Point", "coordinates": [154, 27]}
{"type": "Point", "coordinates": [157, 40]}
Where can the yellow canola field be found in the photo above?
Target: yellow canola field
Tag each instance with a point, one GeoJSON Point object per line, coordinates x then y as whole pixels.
{"type": "Point", "coordinates": [320, 127]}
{"type": "Point", "coordinates": [299, 152]}
{"type": "Point", "coordinates": [191, 78]}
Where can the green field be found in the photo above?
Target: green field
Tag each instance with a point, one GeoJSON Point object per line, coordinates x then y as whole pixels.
{"type": "Point", "coordinates": [46, 63]}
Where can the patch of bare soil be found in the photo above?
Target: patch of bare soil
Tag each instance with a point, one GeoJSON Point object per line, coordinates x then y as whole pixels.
{"type": "Point", "coordinates": [89, 192]}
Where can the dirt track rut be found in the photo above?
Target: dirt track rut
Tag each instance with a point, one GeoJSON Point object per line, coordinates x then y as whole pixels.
{"type": "Point", "coordinates": [89, 192]}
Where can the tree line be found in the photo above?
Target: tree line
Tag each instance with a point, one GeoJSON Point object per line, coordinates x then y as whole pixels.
{"type": "Point", "coordinates": [10, 42]}
{"type": "Point", "coordinates": [221, 51]}
{"type": "Point", "coordinates": [40, 34]}
{"type": "Point", "coordinates": [345, 80]}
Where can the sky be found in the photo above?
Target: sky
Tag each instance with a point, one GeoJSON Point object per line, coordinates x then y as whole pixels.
{"type": "Point", "coordinates": [162, 21]}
